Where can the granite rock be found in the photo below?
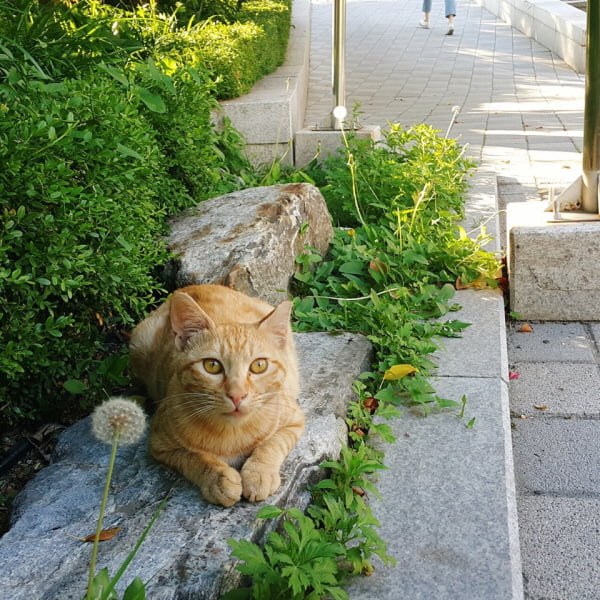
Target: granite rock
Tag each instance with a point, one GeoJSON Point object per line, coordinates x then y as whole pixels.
{"type": "Point", "coordinates": [186, 555]}
{"type": "Point", "coordinates": [249, 240]}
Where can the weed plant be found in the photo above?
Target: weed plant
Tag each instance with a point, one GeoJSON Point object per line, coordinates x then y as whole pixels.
{"type": "Point", "coordinates": [390, 275]}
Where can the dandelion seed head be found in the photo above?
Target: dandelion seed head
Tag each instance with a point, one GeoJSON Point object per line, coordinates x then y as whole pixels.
{"type": "Point", "coordinates": [119, 417]}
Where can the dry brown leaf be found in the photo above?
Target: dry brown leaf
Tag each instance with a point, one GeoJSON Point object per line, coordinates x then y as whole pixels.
{"type": "Point", "coordinates": [540, 406]}
{"type": "Point", "coordinates": [378, 266]}
{"type": "Point", "coordinates": [526, 328]}
{"type": "Point", "coordinates": [370, 404]}
{"type": "Point", "coordinates": [105, 535]}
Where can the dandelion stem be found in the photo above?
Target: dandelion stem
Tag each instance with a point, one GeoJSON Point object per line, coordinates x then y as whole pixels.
{"type": "Point", "coordinates": [111, 464]}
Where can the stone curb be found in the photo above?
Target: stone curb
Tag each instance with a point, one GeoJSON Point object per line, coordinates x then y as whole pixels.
{"type": "Point", "coordinates": [448, 509]}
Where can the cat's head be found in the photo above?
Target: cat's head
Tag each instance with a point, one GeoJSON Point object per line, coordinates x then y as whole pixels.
{"type": "Point", "coordinates": [230, 371]}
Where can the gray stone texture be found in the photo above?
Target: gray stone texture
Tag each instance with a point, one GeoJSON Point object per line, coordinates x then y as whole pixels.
{"type": "Point", "coordinates": [249, 240]}
{"type": "Point", "coordinates": [186, 555]}
{"type": "Point", "coordinates": [557, 342]}
{"type": "Point", "coordinates": [447, 504]}
{"type": "Point", "coordinates": [557, 456]}
{"type": "Point", "coordinates": [560, 538]}
{"type": "Point", "coordinates": [463, 356]}
{"type": "Point", "coordinates": [552, 267]}
{"type": "Point", "coordinates": [557, 389]}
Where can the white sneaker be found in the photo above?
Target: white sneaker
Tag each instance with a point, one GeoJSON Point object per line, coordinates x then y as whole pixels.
{"type": "Point", "coordinates": [450, 29]}
{"type": "Point", "coordinates": [424, 24]}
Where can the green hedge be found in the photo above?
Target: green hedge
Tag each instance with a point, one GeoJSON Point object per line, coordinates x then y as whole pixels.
{"type": "Point", "coordinates": [79, 189]}
{"type": "Point", "coordinates": [105, 131]}
{"type": "Point", "coordinates": [237, 54]}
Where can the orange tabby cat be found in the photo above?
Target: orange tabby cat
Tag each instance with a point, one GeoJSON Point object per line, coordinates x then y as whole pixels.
{"type": "Point", "coordinates": [222, 368]}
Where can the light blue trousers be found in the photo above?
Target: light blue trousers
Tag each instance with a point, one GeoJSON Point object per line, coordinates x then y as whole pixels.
{"type": "Point", "coordinates": [450, 7]}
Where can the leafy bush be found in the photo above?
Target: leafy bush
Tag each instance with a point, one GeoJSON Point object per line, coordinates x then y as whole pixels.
{"type": "Point", "coordinates": [92, 170]}
{"type": "Point", "coordinates": [63, 39]}
{"type": "Point", "coordinates": [99, 143]}
{"type": "Point", "coordinates": [201, 10]}
{"type": "Point", "coordinates": [208, 160]}
{"type": "Point", "coordinates": [236, 54]}
{"type": "Point", "coordinates": [397, 267]}
{"type": "Point", "coordinates": [373, 180]}
{"type": "Point", "coordinates": [80, 200]}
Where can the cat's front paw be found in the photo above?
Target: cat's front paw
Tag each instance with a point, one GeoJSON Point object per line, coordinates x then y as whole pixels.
{"type": "Point", "coordinates": [259, 481]}
{"type": "Point", "coordinates": [223, 487]}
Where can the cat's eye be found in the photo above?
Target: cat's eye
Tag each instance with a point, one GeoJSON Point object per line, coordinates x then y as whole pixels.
{"type": "Point", "coordinates": [212, 366]}
{"type": "Point", "coordinates": [259, 366]}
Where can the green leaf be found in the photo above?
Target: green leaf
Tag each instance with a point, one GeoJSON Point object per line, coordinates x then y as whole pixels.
{"type": "Point", "coordinates": [269, 512]}
{"type": "Point", "coordinates": [125, 151]}
{"type": "Point", "coordinates": [153, 101]}
{"type": "Point", "coordinates": [117, 74]}
{"type": "Point", "coordinates": [306, 305]}
{"type": "Point", "coordinates": [444, 403]}
{"type": "Point", "coordinates": [74, 386]}
{"type": "Point", "coordinates": [353, 267]}
{"type": "Point", "coordinates": [388, 394]}
{"type": "Point", "coordinates": [136, 590]}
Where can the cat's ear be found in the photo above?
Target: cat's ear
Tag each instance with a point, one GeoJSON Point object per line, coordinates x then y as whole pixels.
{"type": "Point", "coordinates": [187, 318]}
{"type": "Point", "coordinates": [278, 322]}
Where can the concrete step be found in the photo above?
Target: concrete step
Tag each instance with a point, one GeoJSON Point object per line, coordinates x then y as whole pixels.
{"type": "Point", "coordinates": [448, 508]}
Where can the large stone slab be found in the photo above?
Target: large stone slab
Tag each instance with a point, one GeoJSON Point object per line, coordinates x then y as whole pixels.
{"type": "Point", "coordinates": [186, 555]}
{"type": "Point", "coordinates": [249, 240]}
{"type": "Point", "coordinates": [447, 506]}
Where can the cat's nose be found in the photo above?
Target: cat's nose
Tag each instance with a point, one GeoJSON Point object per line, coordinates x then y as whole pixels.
{"type": "Point", "coordinates": [237, 399]}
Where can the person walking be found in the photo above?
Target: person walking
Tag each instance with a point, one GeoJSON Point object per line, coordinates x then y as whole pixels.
{"type": "Point", "coordinates": [450, 14]}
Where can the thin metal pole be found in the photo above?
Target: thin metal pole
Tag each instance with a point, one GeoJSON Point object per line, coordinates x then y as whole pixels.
{"type": "Point", "coordinates": [338, 60]}
{"type": "Point", "coordinates": [591, 115]}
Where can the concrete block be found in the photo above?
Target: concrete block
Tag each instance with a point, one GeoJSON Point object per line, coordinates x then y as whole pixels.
{"type": "Point", "coordinates": [566, 389]}
{"type": "Point", "coordinates": [312, 143]}
{"type": "Point", "coordinates": [553, 342]}
{"type": "Point", "coordinates": [532, 16]}
{"type": "Point", "coordinates": [265, 154]}
{"type": "Point", "coordinates": [553, 267]}
{"type": "Point", "coordinates": [261, 120]}
{"type": "Point", "coordinates": [449, 517]}
{"type": "Point", "coordinates": [546, 35]}
{"type": "Point", "coordinates": [556, 536]}
{"type": "Point", "coordinates": [557, 456]}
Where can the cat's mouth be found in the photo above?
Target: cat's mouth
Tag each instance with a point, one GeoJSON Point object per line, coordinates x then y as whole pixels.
{"type": "Point", "coordinates": [237, 412]}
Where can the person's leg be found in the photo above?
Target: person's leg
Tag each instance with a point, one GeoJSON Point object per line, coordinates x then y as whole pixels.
{"type": "Point", "coordinates": [450, 14]}
{"type": "Point", "coordinates": [424, 22]}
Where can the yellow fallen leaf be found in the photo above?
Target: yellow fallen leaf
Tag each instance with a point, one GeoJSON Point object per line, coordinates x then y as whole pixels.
{"type": "Point", "coordinates": [478, 284]}
{"type": "Point", "coordinates": [526, 328]}
{"type": "Point", "coordinates": [399, 371]}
